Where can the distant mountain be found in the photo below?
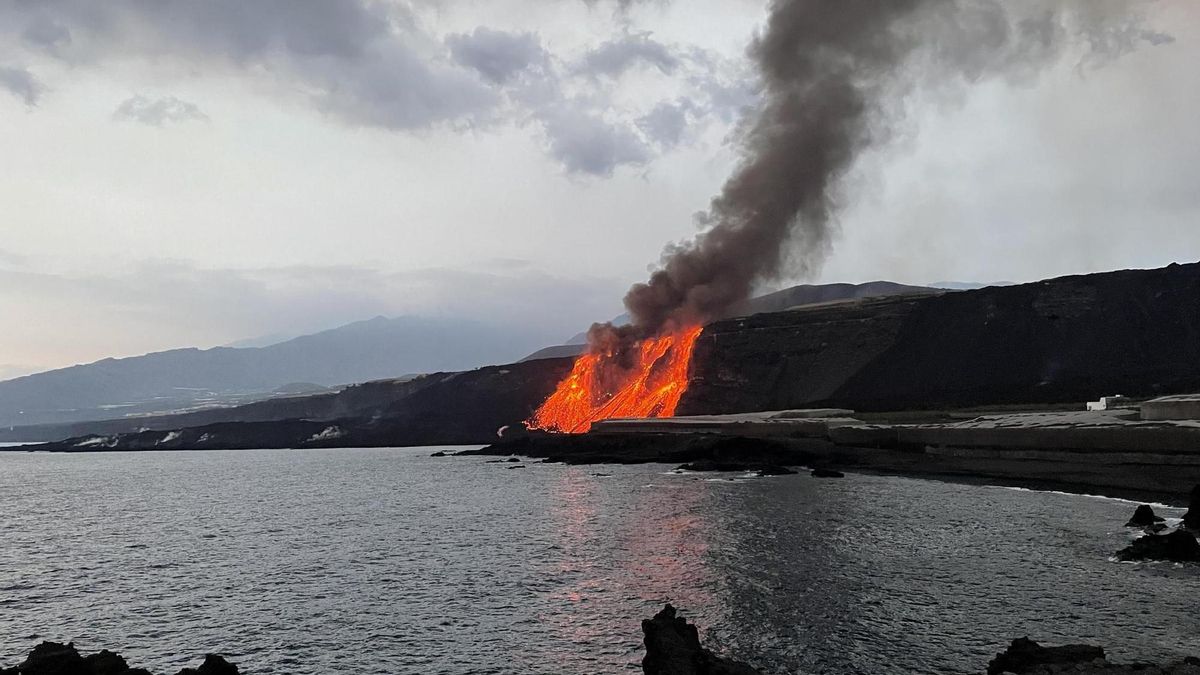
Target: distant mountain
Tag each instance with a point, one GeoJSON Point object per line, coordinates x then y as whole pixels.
{"type": "Point", "coordinates": [788, 298]}
{"type": "Point", "coordinates": [190, 378]}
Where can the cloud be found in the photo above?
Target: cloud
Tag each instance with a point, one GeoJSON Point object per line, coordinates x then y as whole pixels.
{"type": "Point", "coordinates": [587, 144]}
{"type": "Point", "coordinates": [666, 124]}
{"type": "Point", "coordinates": [614, 57]}
{"type": "Point", "coordinates": [378, 64]}
{"type": "Point", "coordinates": [496, 55]}
{"type": "Point", "coordinates": [363, 62]}
{"type": "Point", "coordinates": [46, 35]}
{"type": "Point", "coordinates": [21, 83]}
{"type": "Point", "coordinates": [158, 112]}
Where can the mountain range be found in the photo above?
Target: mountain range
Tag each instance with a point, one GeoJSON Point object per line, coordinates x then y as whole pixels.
{"type": "Point", "coordinates": [184, 380]}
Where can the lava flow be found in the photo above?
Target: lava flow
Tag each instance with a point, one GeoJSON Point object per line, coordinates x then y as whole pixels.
{"type": "Point", "coordinates": [603, 386]}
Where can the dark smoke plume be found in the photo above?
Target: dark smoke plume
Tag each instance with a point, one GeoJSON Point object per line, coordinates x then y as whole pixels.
{"type": "Point", "coordinates": [834, 77]}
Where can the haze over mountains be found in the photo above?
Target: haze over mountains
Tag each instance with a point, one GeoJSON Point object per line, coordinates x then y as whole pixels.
{"type": "Point", "coordinates": [379, 348]}
{"type": "Point", "coordinates": [187, 378]}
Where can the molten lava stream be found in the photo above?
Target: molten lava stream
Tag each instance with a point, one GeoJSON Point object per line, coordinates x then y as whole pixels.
{"type": "Point", "coordinates": [599, 387]}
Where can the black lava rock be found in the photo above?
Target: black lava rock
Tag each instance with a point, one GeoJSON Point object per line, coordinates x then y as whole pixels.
{"type": "Point", "coordinates": [1191, 519]}
{"type": "Point", "coordinates": [105, 662]}
{"type": "Point", "coordinates": [1143, 517]}
{"type": "Point", "coordinates": [673, 648]}
{"type": "Point", "coordinates": [439, 453]}
{"type": "Point", "coordinates": [1026, 656]}
{"type": "Point", "coordinates": [53, 658]}
{"type": "Point", "coordinates": [1178, 546]}
{"type": "Point", "coordinates": [213, 665]}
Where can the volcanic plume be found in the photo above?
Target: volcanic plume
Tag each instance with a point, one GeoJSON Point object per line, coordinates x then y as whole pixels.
{"type": "Point", "coordinates": [835, 75]}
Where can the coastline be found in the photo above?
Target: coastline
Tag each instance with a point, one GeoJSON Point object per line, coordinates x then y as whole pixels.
{"type": "Point", "coordinates": [1075, 473]}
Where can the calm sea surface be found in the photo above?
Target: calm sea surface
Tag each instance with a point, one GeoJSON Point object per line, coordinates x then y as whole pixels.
{"type": "Point", "coordinates": [389, 561]}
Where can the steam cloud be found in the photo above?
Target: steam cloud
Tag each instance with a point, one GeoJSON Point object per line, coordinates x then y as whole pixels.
{"type": "Point", "coordinates": [834, 79]}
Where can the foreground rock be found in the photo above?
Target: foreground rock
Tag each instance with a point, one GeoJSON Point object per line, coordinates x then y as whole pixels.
{"type": "Point", "coordinates": [1191, 519]}
{"type": "Point", "coordinates": [673, 648]}
{"type": "Point", "coordinates": [1178, 546]}
{"type": "Point", "coordinates": [53, 658]}
{"type": "Point", "coordinates": [1143, 516]}
{"type": "Point", "coordinates": [1026, 656]}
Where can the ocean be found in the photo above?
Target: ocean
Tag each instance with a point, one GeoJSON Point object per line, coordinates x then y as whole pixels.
{"type": "Point", "coordinates": [390, 561]}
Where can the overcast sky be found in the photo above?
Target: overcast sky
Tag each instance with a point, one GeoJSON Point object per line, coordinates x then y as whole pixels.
{"type": "Point", "coordinates": [194, 173]}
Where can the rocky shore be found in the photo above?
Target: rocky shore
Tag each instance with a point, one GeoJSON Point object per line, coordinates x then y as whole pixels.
{"type": "Point", "coordinates": [53, 658]}
{"type": "Point", "coordinates": [1179, 545]}
{"type": "Point", "coordinates": [1081, 472]}
{"type": "Point", "coordinates": [673, 648]}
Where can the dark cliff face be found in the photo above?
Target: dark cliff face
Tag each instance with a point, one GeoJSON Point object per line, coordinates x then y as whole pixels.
{"type": "Point", "coordinates": [1063, 340]}
{"type": "Point", "coordinates": [790, 359]}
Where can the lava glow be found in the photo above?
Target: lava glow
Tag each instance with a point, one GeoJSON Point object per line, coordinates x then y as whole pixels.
{"type": "Point", "coordinates": [602, 387]}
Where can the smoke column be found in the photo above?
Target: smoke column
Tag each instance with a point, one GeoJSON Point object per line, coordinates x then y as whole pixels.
{"type": "Point", "coordinates": [834, 76]}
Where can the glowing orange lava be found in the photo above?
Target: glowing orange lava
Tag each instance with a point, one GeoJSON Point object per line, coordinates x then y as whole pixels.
{"type": "Point", "coordinates": [600, 387]}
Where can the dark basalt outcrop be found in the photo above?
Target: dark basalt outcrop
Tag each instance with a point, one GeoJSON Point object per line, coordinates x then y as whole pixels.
{"type": "Point", "coordinates": [1143, 516]}
{"type": "Point", "coordinates": [1177, 546]}
{"type": "Point", "coordinates": [446, 409]}
{"type": "Point", "coordinates": [1024, 656]}
{"type": "Point", "coordinates": [734, 452]}
{"type": "Point", "coordinates": [1054, 341]}
{"type": "Point", "coordinates": [1191, 519]}
{"type": "Point", "coordinates": [673, 648]}
{"type": "Point", "coordinates": [53, 658]}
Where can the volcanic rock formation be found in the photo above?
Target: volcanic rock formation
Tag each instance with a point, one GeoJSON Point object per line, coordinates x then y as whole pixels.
{"type": "Point", "coordinates": [53, 658]}
{"type": "Point", "coordinates": [1191, 519]}
{"type": "Point", "coordinates": [1143, 516]}
{"type": "Point", "coordinates": [673, 648]}
{"type": "Point", "coordinates": [1177, 546]}
{"type": "Point", "coordinates": [1024, 656]}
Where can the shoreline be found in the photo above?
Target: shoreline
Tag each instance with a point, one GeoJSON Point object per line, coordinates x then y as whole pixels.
{"type": "Point", "coordinates": [1076, 473]}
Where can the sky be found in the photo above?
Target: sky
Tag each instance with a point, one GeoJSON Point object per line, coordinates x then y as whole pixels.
{"type": "Point", "coordinates": [193, 174]}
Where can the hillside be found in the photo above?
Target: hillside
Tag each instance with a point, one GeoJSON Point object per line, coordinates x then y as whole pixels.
{"type": "Point", "coordinates": [788, 298]}
{"type": "Point", "coordinates": [189, 378]}
{"type": "Point", "coordinates": [1061, 341]}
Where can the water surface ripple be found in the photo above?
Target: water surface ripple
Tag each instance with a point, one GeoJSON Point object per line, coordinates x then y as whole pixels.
{"type": "Point", "coordinates": [389, 561]}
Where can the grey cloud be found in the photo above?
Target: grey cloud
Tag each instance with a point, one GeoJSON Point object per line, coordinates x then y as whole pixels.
{"type": "Point", "coordinates": [498, 56]}
{"type": "Point", "coordinates": [365, 62]}
{"type": "Point", "coordinates": [614, 57]}
{"type": "Point", "coordinates": [47, 35]}
{"type": "Point", "coordinates": [21, 83]}
{"type": "Point", "coordinates": [394, 88]}
{"type": "Point", "coordinates": [158, 112]}
{"type": "Point", "coordinates": [587, 144]}
{"type": "Point", "coordinates": [369, 63]}
{"type": "Point", "coordinates": [665, 125]}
